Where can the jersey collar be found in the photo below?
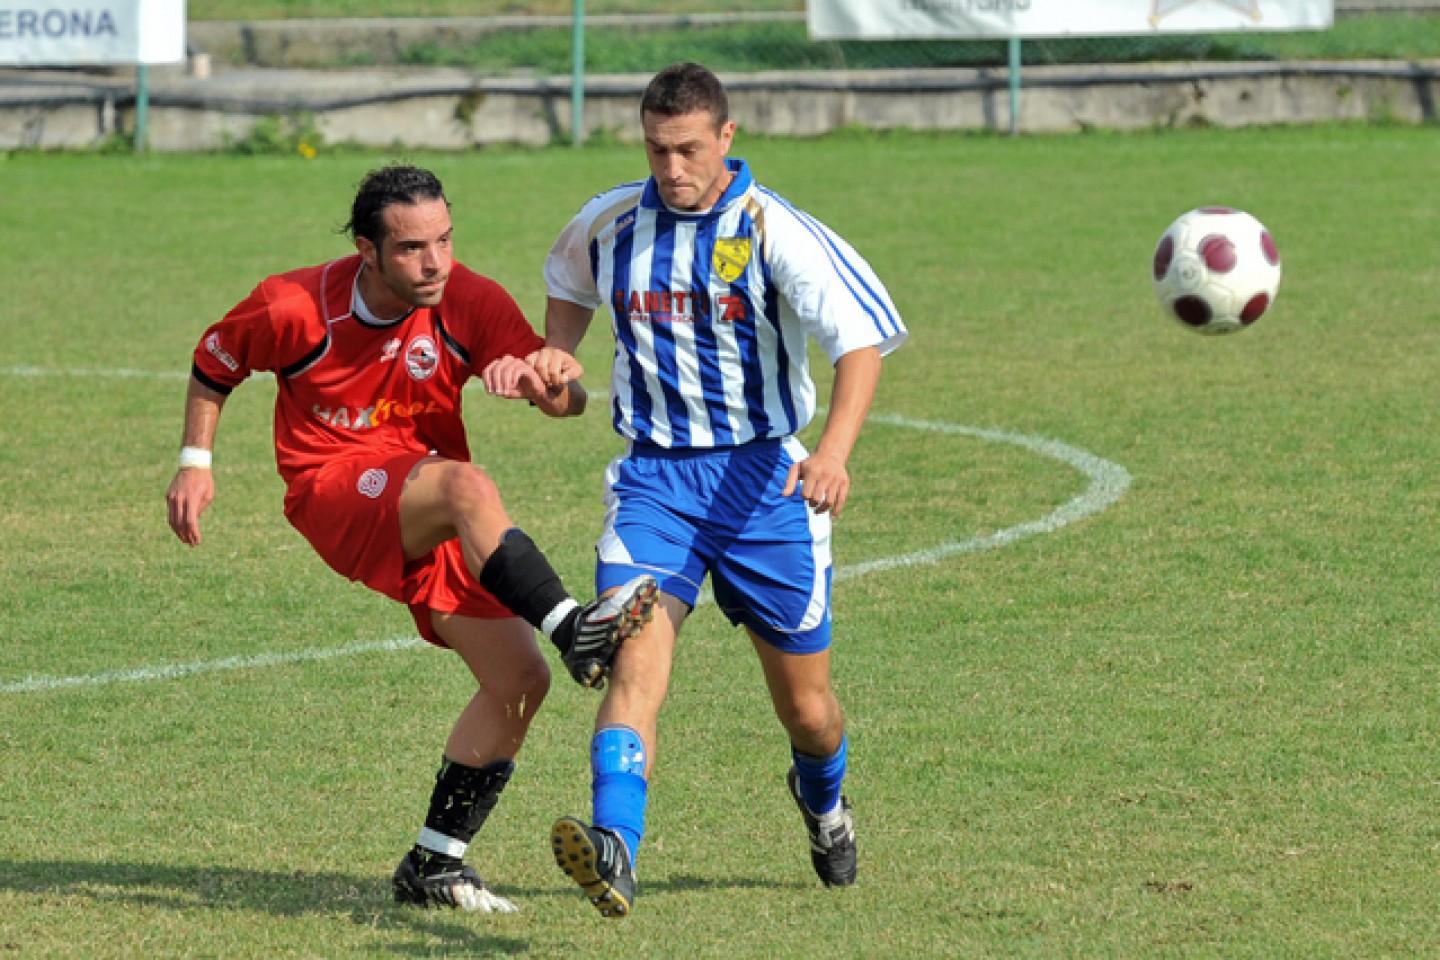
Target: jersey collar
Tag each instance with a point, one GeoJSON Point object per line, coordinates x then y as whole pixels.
{"type": "Point", "coordinates": [361, 310]}
{"type": "Point", "coordinates": [739, 185]}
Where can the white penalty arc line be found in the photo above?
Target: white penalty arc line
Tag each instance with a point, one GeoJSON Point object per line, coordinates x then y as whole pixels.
{"type": "Point", "coordinates": [1108, 483]}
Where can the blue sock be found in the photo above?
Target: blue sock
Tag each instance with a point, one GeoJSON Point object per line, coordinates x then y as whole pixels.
{"type": "Point", "coordinates": [820, 777]}
{"type": "Point", "coordinates": [619, 790]}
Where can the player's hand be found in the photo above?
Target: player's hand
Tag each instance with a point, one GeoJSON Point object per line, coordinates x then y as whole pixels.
{"type": "Point", "coordinates": [513, 379]}
{"type": "Point", "coordinates": [555, 366]}
{"type": "Point", "coordinates": [190, 493]}
{"type": "Point", "coordinates": [822, 480]}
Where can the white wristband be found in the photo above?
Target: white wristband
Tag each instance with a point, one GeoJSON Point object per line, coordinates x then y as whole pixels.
{"type": "Point", "coordinates": [195, 457]}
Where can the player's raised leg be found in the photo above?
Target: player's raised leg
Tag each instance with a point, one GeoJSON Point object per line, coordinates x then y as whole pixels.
{"type": "Point", "coordinates": [444, 499]}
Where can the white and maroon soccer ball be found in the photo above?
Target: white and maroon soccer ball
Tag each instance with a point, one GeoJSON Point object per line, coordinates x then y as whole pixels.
{"type": "Point", "coordinates": [1216, 270]}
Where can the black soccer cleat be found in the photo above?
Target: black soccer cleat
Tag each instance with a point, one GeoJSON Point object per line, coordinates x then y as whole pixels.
{"type": "Point", "coordinates": [832, 846]}
{"type": "Point", "coordinates": [606, 623]}
{"type": "Point", "coordinates": [455, 888]}
{"type": "Point", "coordinates": [598, 860]}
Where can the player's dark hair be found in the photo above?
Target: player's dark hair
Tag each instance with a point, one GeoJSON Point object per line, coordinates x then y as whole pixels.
{"type": "Point", "coordinates": [683, 88]}
{"type": "Point", "coordinates": [386, 187]}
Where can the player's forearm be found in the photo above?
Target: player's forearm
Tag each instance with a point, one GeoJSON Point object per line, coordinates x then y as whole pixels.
{"type": "Point", "coordinates": [565, 324]}
{"type": "Point", "coordinates": [202, 416]}
{"type": "Point", "coordinates": [856, 376]}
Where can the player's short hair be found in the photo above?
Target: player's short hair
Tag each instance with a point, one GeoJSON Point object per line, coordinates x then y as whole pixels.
{"type": "Point", "coordinates": [684, 88]}
{"type": "Point", "coordinates": [399, 184]}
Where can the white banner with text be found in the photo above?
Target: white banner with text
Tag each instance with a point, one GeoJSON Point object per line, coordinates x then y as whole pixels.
{"type": "Point", "coordinates": [942, 19]}
{"type": "Point", "coordinates": [77, 32]}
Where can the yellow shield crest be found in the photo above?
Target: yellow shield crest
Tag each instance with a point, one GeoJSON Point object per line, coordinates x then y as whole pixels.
{"type": "Point", "coordinates": [732, 256]}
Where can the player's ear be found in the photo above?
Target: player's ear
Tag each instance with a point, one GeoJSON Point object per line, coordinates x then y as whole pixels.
{"type": "Point", "coordinates": [368, 252]}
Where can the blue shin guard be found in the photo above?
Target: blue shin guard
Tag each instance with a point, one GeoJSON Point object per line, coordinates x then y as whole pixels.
{"type": "Point", "coordinates": [619, 789]}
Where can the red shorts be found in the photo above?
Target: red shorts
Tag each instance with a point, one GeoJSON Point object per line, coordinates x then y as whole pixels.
{"type": "Point", "coordinates": [349, 510]}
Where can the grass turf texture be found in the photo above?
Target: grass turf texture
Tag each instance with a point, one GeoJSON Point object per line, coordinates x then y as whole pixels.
{"type": "Point", "coordinates": [1198, 723]}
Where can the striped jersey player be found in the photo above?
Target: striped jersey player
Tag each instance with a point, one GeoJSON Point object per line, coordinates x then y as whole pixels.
{"type": "Point", "coordinates": [714, 286]}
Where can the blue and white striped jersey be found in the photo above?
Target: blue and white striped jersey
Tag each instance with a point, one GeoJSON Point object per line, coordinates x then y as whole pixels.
{"type": "Point", "coordinates": [710, 310]}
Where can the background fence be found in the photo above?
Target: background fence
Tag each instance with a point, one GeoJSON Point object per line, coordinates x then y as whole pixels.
{"type": "Point", "coordinates": [747, 40]}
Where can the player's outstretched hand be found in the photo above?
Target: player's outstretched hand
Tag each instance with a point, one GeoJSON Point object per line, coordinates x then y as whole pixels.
{"type": "Point", "coordinates": [822, 480]}
{"type": "Point", "coordinates": [513, 379]}
{"type": "Point", "coordinates": [555, 366]}
{"type": "Point", "coordinates": [190, 493]}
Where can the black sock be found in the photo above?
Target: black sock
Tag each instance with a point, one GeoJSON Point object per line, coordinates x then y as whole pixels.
{"type": "Point", "coordinates": [459, 805]}
{"type": "Point", "coordinates": [518, 575]}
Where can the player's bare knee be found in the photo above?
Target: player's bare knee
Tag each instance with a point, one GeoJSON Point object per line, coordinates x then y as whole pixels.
{"type": "Point", "coordinates": [469, 489]}
{"type": "Point", "coordinates": [813, 722]}
{"type": "Point", "coordinates": [534, 681]}
{"type": "Point", "coordinates": [526, 683]}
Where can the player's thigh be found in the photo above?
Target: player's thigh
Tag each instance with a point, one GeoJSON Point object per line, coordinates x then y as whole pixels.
{"type": "Point", "coordinates": [436, 493]}
{"type": "Point", "coordinates": [502, 654]}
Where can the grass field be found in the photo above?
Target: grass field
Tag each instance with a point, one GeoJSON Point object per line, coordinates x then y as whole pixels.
{"type": "Point", "coordinates": [1199, 721]}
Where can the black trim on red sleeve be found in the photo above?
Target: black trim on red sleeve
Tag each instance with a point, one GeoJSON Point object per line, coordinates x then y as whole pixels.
{"type": "Point", "coordinates": [199, 374]}
{"type": "Point", "coordinates": [309, 360]}
{"type": "Point", "coordinates": [455, 346]}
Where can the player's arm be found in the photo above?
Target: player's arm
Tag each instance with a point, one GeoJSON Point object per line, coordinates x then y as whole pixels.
{"type": "Point", "coordinates": [565, 325]}
{"type": "Point", "coordinates": [826, 479]}
{"type": "Point", "coordinates": [512, 378]}
{"type": "Point", "coordinates": [194, 486]}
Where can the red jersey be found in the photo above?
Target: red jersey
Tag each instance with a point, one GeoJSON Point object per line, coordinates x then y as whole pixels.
{"type": "Point", "coordinates": [347, 385]}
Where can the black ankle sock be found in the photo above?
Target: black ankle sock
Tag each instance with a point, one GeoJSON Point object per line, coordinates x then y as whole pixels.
{"type": "Point", "coordinates": [519, 576]}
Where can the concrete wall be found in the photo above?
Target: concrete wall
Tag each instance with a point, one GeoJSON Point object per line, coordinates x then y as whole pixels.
{"type": "Point", "coordinates": [450, 109]}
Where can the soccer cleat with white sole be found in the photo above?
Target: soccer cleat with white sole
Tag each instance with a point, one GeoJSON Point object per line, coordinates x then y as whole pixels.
{"type": "Point", "coordinates": [832, 839]}
{"type": "Point", "coordinates": [457, 889]}
{"type": "Point", "coordinates": [598, 860]}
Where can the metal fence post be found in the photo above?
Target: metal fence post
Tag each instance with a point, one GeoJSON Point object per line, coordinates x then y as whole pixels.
{"type": "Point", "coordinates": [142, 108]}
{"type": "Point", "coordinates": [1014, 86]}
{"type": "Point", "coordinates": [577, 75]}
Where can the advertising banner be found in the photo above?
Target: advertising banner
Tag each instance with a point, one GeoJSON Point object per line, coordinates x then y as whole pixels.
{"type": "Point", "coordinates": [83, 32]}
{"type": "Point", "coordinates": [942, 19]}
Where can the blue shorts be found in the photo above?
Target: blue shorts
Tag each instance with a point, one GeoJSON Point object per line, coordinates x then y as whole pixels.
{"type": "Point", "coordinates": [679, 515]}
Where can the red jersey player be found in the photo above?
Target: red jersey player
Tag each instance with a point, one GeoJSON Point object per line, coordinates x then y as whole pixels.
{"type": "Point", "coordinates": [370, 353]}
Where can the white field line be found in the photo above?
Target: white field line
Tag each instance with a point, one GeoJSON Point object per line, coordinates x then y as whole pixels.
{"type": "Point", "coordinates": [1108, 483]}
{"type": "Point", "coordinates": [174, 670]}
{"type": "Point", "coordinates": [25, 371]}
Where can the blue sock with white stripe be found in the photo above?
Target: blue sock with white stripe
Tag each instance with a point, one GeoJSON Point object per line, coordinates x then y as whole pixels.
{"type": "Point", "coordinates": [820, 777]}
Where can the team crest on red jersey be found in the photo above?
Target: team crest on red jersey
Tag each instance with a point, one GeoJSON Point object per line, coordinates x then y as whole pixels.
{"type": "Point", "coordinates": [422, 359]}
{"type": "Point", "coordinates": [372, 482]}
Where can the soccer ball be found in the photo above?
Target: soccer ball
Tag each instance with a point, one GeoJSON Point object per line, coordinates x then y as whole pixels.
{"type": "Point", "coordinates": [1216, 270]}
